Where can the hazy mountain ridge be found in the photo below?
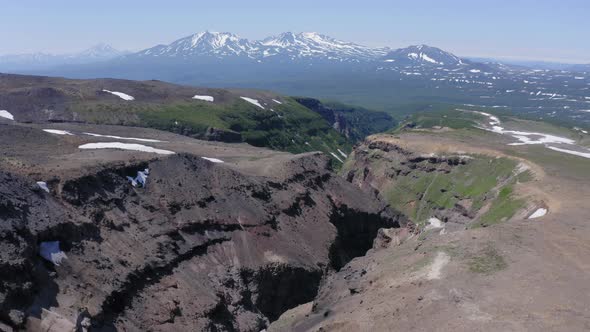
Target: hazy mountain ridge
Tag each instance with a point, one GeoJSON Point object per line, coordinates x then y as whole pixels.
{"type": "Point", "coordinates": [97, 53]}
{"type": "Point", "coordinates": [286, 47]}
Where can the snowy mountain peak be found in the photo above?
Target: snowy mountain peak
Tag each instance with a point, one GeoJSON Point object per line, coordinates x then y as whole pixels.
{"type": "Point", "coordinates": [318, 37]}
{"type": "Point", "coordinates": [282, 40]}
{"type": "Point", "coordinates": [214, 39]}
{"type": "Point", "coordinates": [422, 55]}
{"type": "Point", "coordinates": [206, 43]}
{"type": "Point", "coordinates": [316, 45]}
{"type": "Point", "coordinates": [101, 50]}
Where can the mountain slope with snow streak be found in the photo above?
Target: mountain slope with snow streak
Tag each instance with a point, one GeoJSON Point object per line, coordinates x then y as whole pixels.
{"type": "Point", "coordinates": [422, 55]}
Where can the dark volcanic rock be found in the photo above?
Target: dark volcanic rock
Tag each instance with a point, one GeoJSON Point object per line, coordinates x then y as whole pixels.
{"type": "Point", "coordinates": [27, 218]}
{"type": "Point", "coordinates": [202, 246]}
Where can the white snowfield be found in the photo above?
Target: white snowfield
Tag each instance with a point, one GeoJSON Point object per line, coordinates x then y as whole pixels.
{"type": "Point", "coordinates": [125, 138]}
{"type": "Point", "coordinates": [58, 132]}
{"type": "Point", "coordinates": [572, 152]}
{"type": "Point", "coordinates": [213, 160]}
{"type": "Point", "coordinates": [278, 102]}
{"type": "Point", "coordinates": [121, 95]}
{"type": "Point", "coordinates": [539, 213]}
{"type": "Point", "coordinates": [124, 146]}
{"type": "Point", "coordinates": [253, 101]}
{"type": "Point", "coordinates": [526, 138]}
{"type": "Point", "coordinates": [204, 98]}
{"type": "Point", "coordinates": [342, 153]}
{"type": "Point", "coordinates": [6, 115]}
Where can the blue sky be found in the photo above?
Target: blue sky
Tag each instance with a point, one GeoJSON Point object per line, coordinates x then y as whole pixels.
{"type": "Point", "coordinates": [528, 29]}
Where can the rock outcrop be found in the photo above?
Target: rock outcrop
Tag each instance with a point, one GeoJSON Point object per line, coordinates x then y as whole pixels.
{"type": "Point", "coordinates": [222, 135]}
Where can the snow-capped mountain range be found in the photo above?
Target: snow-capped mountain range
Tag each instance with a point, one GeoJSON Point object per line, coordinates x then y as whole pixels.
{"type": "Point", "coordinates": [288, 45]}
{"type": "Point", "coordinates": [215, 47]}
{"type": "Point", "coordinates": [312, 44]}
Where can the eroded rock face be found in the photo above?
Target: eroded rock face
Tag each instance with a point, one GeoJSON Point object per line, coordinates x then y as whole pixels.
{"type": "Point", "coordinates": [27, 218]}
{"type": "Point", "coordinates": [354, 123]}
{"type": "Point", "coordinates": [202, 246]}
{"type": "Point", "coordinates": [379, 165]}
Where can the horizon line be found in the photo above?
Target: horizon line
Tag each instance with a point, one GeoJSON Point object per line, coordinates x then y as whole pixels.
{"type": "Point", "coordinates": [548, 60]}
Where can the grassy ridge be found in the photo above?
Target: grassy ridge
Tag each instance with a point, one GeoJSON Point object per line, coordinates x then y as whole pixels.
{"type": "Point", "coordinates": [288, 127]}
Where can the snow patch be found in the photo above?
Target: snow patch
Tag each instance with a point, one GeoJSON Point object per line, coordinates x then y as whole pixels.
{"type": "Point", "coordinates": [43, 185]}
{"type": "Point", "coordinates": [140, 179]}
{"type": "Point", "coordinates": [50, 251]}
{"type": "Point", "coordinates": [124, 146]}
{"type": "Point", "coordinates": [427, 58]}
{"type": "Point", "coordinates": [335, 156]}
{"type": "Point", "coordinates": [278, 102]}
{"type": "Point", "coordinates": [213, 160]}
{"type": "Point", "coordinates": [125, 138]}
{"type": "Point", "coordinates": [253, 101]}
{"type": "Point", "coordinates": [537, 138]}
{"type": "Point", "coordinates": [434, 223]}
{"type": "Point", "coordinates": [58, 132]}
{"type": "Point", "coordinates": [539, 213]}
{"type": "Point", "coordinates": [523, 136]}
{"type": "Point", "coordinates": [6, 115]}
{"type": "Point", "coordinates": [572, 152]}
{"type": "Point", "coordinates": [342, 153]}
{"type": "Point", "coordinates": [204, 98]}
{"type": "Point", "coordinates": [121, 95]}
